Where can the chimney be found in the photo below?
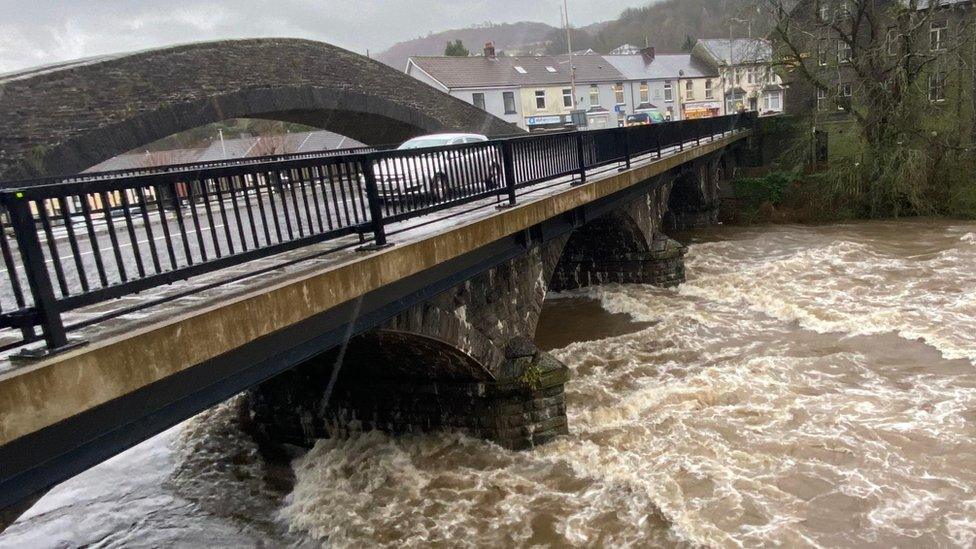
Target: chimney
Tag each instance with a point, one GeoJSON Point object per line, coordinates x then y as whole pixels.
{"type": "Point", "coordinates": [647, 53]}
{"type": "Point", "coordinates": [489, 50]}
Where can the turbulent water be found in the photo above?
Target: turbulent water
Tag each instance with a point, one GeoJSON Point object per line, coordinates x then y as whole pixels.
{"type": "Point", "coordinates": [808, 386]}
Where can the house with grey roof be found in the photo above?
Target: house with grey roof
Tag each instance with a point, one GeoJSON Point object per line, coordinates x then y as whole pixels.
{"type": "Point", "coordinates": [536, 92]}
{"type": "Point", "coordinates": [677, 85]}
{"type": "Point", "coordinates": [745, 65]}
{"type": "Point", "coordinates": [533, 92]}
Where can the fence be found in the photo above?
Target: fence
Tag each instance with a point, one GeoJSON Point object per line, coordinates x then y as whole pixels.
{"type": "Point", "coordinates": [78, 241]}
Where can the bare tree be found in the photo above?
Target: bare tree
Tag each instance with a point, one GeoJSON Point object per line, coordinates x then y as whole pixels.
{"type": "Point", "coordinates": [901, 71]}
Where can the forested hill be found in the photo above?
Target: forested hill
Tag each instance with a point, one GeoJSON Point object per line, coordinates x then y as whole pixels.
{"type": "Point", "coordinates": [507, 37]}
{"type": "Point", "coordinates": [667, 25]}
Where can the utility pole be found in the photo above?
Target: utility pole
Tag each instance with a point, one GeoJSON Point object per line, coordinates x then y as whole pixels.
{"type": "Point", "coordinates": [569, 47]}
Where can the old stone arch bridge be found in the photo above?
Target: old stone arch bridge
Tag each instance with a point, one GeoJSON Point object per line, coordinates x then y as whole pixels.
{"type": "Point", "coordinates": [433, 332]}
{"type": "Point", "coordinates": [62, 119]}
{"type": "Point", "coordinates": [465, 358]}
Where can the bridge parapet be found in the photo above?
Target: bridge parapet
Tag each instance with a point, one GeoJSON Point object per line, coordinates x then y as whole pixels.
{"type": "Point", "coordinates": [82, 406]}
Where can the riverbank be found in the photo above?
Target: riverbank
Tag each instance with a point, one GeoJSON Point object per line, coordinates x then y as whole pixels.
{"type": "Point", "coordinates": [758, 196]}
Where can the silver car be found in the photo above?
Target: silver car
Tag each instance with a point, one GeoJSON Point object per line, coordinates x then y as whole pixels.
{"type": "Point", "coordinates": [441, 174]}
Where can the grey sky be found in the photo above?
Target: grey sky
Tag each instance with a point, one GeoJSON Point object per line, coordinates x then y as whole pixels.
{"type": "Point", "coordinates": [34, 32]}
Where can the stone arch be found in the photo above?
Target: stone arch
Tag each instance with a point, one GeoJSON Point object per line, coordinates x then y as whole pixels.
{"type": "Point", "coordinates": [314, 399]}
{"type": "Point", "coordinates": [63, 119]}
{"type": "Point", "coordinates": [694, 197]}
{"type": "Point", "coordinates": [462, 360]}
{"type": "Point", "coordinates": [623, 246]}
{"type": "Point", "coordinates": [598, 253]}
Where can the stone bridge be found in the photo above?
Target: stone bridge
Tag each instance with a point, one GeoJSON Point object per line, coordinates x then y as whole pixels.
{"type": "Point", "coordinates": [63, 119]}
{"type": "Point", "coordinates": [433, 332]}
{"type": "Point", "coordinates": [465, 359]}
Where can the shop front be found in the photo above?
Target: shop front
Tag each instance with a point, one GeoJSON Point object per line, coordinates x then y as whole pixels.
{"type": "Point", "coordinates": [701, 109]}
{"type": "Point", "coordinates": [544, 123]}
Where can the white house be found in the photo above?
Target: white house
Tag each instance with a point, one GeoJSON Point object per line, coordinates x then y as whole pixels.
{"type": "Point", "coordinates": [747, 76]}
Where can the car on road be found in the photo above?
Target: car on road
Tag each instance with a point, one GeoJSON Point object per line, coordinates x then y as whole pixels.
{"type": "Point", "coordinates": [645, 118]}
{"type": "Point", "coordinates": [454, 166]}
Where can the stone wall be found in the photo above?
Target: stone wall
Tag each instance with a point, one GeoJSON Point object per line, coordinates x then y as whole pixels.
{"type": "Point", "coordinates": [64, 119]}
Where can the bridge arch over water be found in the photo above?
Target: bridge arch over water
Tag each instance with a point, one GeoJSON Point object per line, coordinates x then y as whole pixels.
{"type": "Point", "coordinates": [63, 119]}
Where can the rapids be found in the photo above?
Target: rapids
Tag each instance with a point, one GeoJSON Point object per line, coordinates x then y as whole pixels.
{"type": "Point", "coordinates": [808, 386]}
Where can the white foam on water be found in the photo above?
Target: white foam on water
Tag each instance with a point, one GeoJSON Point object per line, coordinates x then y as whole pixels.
{"type": "Point", "coordinates": [780, 397]}
{"type": "Point", "coordinates": [806, 387]}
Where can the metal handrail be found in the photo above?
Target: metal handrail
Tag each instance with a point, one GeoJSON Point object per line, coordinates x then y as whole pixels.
{"type": "Point", "coordinates": [77, 241]}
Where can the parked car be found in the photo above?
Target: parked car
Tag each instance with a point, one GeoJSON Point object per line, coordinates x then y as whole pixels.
{"type": "Point", "coordinates": [440, 174]}
{"type": "Point", "coordinates": [645, 118]}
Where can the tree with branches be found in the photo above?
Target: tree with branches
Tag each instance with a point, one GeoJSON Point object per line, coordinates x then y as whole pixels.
{"type": "Point", "coordinates": [902, 73]}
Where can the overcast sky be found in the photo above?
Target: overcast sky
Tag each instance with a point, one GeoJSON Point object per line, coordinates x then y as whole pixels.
{"type": "Point", "coordinates": [35, 32]}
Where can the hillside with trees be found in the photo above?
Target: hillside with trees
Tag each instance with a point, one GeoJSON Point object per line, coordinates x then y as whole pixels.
{"type": "Point", "coordinates": [667, 25]}
{"type": "Point", "coordinates": [508, 38]}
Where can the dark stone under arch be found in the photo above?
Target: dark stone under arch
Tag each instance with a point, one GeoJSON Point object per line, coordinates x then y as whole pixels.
{"type": "Point", "coordinates": [614, 248]}
{"type": "Point", "coordinates": [63, 119]}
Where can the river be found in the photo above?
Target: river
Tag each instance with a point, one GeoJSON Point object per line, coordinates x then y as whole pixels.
{"type": "Point", "coordinates": [808, 386]}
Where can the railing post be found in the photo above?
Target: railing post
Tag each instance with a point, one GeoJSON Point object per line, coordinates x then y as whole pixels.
{"type": "Point", "coordinates": [508, 167]}
{"type": "Point", "coordinates": [42, 291]}
{"type": "Point", "coordinates": [375, 210]}
{"type": "Point", "coordinates": [580, 158]}
{"type": "Point", "coordinates": [626, 147]}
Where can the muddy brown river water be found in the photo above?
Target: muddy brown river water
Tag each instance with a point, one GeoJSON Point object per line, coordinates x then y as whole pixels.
{"type": "Point", "coordinates": [808, 386]}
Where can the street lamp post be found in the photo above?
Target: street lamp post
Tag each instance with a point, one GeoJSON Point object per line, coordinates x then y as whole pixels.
{"type": "Point", "coordinates": [730, 70]}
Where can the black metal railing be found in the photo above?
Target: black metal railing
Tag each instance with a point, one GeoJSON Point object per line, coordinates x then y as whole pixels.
{"type": "Point", "coordinates": [73, 242]}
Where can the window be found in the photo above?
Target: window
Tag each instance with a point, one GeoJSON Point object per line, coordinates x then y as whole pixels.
{"type": "Point", "coordinates": [771, 101]}
{"type": "Point", "coordinates": [843, 52]}
{"type": "Point", "coordinates": [551, 69]}
{"type": "Point", "coordinates": [892, 41]}
{"type": "Point", "coordinates": [938, 31]}
{"type": "Point", "coordinates": [509, 99]}
{"type": "Point", "coordinates": [594, 95]}
{"type": "Point", "coordinates": [937, 87]}
{"type": "Point", "coordinates": [823, 10]}
{"type": "Point", "coordinates": [479, 100]}
{"type": "Point", "coordinates": [520, 70]}
{"type": "Point", "coordinates": [540, 99]}
{"type": "Point", "coordinates": [668, 92]}
{"type": "Point", "coordinates": [689, 90]}
{"type": "Point", "coordinates": [822, 52]}
{"type": "Point", "coordinates": [844, 8]}
{"type": "Point", "coordinates": [567, 97]}
{"type": "Point", "coordinates": [708, 89]}
{"type": "Point", "coordinates": [644, 95]}
{"type": "Point", "coordinates": [844, 89]}
{"type": "Point", "coordinates": [618, 93]}
{"type": "Point", "coordinates": [821, 99]}
{"type": "Point", "coordinates": [751, 75]}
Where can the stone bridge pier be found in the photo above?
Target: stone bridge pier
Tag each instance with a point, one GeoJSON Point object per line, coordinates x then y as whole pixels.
{"type": "Point", "coordinates": [697, 190]}
{"type": "Point", "coordinates": [465, 359]}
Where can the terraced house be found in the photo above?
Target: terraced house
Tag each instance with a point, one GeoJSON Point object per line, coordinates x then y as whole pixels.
{"type": "Point", "coordinates": [537, 93]}
{"type": "Point", "coordinates": [531, 92]}
{"type": "Point", "coordinates": [747, 77]}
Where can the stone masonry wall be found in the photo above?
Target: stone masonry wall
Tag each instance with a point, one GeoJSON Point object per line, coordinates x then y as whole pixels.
{"type": "Point", "coordinates": [68, 118]}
